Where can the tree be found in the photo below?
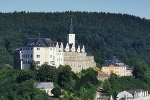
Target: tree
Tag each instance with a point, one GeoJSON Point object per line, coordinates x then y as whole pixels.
{"type": "Point", "coordinates": [56, 91]}
{"type": "Point", "coordinates": [65, 78]}
{"type": "Point", "coordinates": [32, 65]}
{"type": "Point", "coordinates": [26, 74]}
{"type": "Point", "coordinates": [47, 73]}
{"type": "Point", "coordinates": [90, 76]}
{"type": "Point", "coordinates": [139, 69]}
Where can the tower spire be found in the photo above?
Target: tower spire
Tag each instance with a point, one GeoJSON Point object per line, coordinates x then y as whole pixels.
{"type": "Point", "coordinates": [71, 27]}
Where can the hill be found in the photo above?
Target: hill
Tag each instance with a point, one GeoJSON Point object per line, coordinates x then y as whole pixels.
{"type": "Point", "coordinates": [103, 34]}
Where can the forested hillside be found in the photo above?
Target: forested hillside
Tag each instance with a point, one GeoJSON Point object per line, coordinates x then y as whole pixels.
{"type": "Point", "coordinates": [103, 34]}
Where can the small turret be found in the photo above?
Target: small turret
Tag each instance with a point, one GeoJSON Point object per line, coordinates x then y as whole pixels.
{"type": "Point", "coordinates": [73, 48]}
{"type": "Point", "coordinates": [57, 47]}
{"type": "Point", "coordinates": [61, 47]}
{"type": "Point", "coordinates": [78, 50]}
{"type": "Point", "coordinates": [83, 49]}
{"type": "Point", "coordinates": [67, 48]}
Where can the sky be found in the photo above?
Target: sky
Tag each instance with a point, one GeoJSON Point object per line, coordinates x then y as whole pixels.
{"type": "Point", "coordinates": [140, 8]}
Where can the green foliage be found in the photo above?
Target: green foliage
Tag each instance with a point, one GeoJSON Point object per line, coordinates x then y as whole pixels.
{"type": "Point", "coordinates": [65, 78]}
{"type": "Point", "coordinates": [141, 70]}
{"type": "Point", "coordinates": [11, 89]}
{"type": "Point", "coordinates": [47, 73]}
{"type": "Point", "coordinates": [56, 91]}
{"type": "Point", "coordinates": [86, 86]}
{"type": "Point", "coordinates": [116, 84]}
{"type": "Point", "coordinates": [26, 74]}
{"type": "Point", "coordinates": [103, 34]}
{"type": "Point", "coordinates": [32, 65]}
{"type": "Point", "coordinates": [89, 77]}
{"type": "Point", "coordinates": [23, 81]}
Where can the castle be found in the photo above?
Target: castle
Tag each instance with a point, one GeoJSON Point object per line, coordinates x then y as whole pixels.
{"type": "Point", "coordinates": [44, 50]}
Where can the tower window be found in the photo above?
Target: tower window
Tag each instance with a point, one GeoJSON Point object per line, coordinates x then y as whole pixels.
{"type": "Point", "coordinates": [38, 48]}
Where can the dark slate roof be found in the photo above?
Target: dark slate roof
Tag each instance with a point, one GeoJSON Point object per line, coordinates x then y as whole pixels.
{"type": "Point", "coordinates": [88, 54]}
{"type": "Point", "coordinates": [107, 64]}
{"type": "Point", "coordinates": [71, 28]}
{"type": "Point", "coordinates": [112, 60]}
{"type": "Point", "coordinates": [18, 49]}
{"type": "Point", "coordinates": [129, 68]}
{"type": "Point", "coordinates": [45, 85]}
{"type": "Point", "coordinates": [55, 42]}
{"type": "Point", "coordinates": [39, 42]}
{"type": "Point", "coordinates": [135, 90]}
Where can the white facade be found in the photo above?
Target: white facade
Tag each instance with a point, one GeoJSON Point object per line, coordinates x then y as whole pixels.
{"type": "Point", "coordinates": [138, 94]}
{"type": "Point", "coordinates": [50, 55]}
{"type": "Point", "coordinates": [44, 50]}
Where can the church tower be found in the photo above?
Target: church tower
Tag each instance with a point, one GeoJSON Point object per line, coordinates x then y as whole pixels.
{"type": "Point", "coordinates": [71, 35]}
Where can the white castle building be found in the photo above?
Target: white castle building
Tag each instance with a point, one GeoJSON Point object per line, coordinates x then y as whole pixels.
{"type": "Point", "coordinates": [44, 50]}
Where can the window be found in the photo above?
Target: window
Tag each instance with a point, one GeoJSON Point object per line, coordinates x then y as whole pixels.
{"type": "Point", "coordinates": [50, 48]}
{"type": "Point", "coordinates": [37, 62]}
{"type": "Point", "coordinates": [31, 56]}
{"type": "Point", "coordinates": [28, 48]}
{"type": "Point", "coordinates": [50, 56]}
{"type": "Point", "coordinates": [38, 48]}
{"type": "Point", "coordinates": [31, 48]}
{"type": "Point", "coordinates": [38, 56]}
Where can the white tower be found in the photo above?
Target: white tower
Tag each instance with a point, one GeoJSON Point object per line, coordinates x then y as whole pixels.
{"type": "Point", "coordinates": [71, 35]}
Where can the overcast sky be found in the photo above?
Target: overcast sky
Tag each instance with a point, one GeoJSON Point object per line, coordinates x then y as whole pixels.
{"type": "Point", "coordinates": [139, 8]}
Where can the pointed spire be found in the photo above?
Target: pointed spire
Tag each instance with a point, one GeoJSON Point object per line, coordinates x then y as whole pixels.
{"type": "Point", "coordinates": [83, 49]}
{"type": "Point", "coordinates": [39, 34]}
{"type": "Point", "coordinates": [111, 98]}
{"type": "Point", "coordinates": [71, 27]}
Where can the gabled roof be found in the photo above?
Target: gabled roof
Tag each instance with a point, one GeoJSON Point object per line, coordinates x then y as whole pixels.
{"type": "Point", "coordinates": [135, 90]}
{"type": "Point", "coordinates": [45, 85]}
{"type": "Point", "coordinates": [39, 42]}
{"type": "Point", "coordinates": [112, 61]}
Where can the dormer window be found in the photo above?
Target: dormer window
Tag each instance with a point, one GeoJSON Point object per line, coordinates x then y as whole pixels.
{"type": "Point", "coordinates": [32, 43]}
